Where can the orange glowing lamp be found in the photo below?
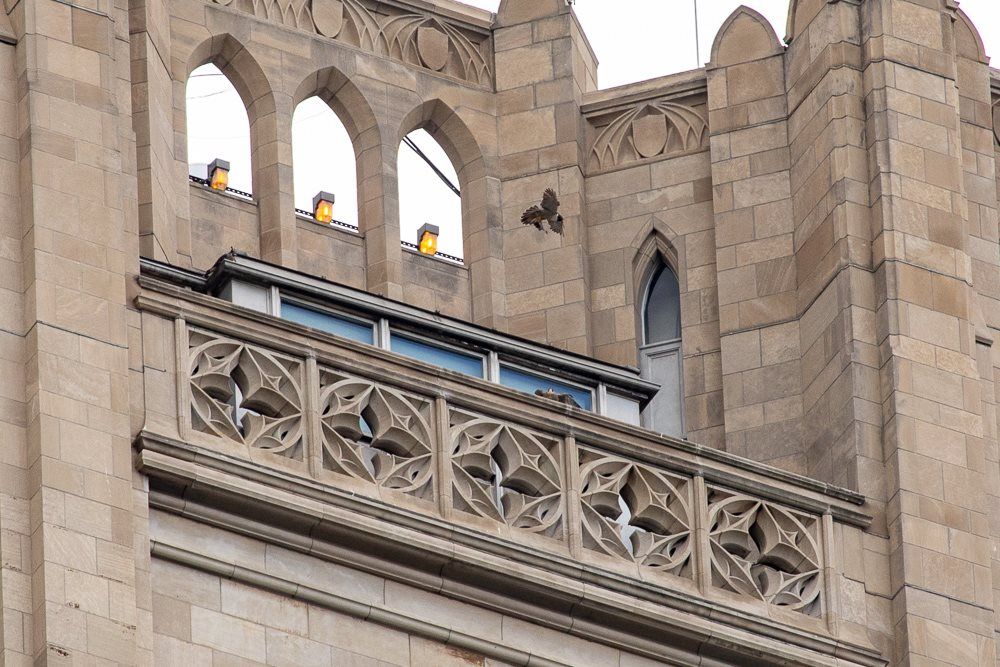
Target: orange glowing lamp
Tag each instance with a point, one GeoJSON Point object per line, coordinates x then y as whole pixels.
{"type": "Point", "coordinates": [323, 207]}
{"type": "Point", "coordinates": [427, 239]}
{"type": "Point", "coordinates": [218, 174]}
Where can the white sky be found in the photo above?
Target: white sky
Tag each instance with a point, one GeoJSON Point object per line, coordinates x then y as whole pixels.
{"type": "Point", "coordinates": [661, 41]}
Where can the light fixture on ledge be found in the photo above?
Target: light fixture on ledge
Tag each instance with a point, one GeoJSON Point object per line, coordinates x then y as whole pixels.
{"type": "Point", "coordinates": [427, 239]}
{"type": "Point", "coordinates": [323, 207]}
{"type": "Point", "coordinates": [218, 174]}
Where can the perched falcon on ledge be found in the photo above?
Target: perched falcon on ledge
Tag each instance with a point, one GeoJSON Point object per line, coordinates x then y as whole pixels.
{"type": "Point", "coordinates": [548, 212]}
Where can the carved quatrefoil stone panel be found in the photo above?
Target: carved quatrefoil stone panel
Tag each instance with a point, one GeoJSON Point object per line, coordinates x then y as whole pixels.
{"type": "Point", "coordinates": [634, 512]}
{"type": "Point", "coordinates": [648, 130]}
{"type": "Point", "coordinates": [246, 393]}
{"type": "Point", "coordinates": [420, 40]}
{"type": "Point", "coordinates": [765, 551]}
{"type": "Point", "coordinates": [506, 473]}
{"type": "Point", "coordinates": [374, 433]}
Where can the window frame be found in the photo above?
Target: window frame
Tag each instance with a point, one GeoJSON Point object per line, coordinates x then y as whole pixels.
{"type": "Point", "coordinates": [647, 351]}
{"type": "Point", "coordinates": [403, 332]}
{"type": "Point", "coordinates": [279, 299]}
{"type": "Point", "coordinates": [525, 368]}
{"type": "Point", "coordinates": [263, 287]}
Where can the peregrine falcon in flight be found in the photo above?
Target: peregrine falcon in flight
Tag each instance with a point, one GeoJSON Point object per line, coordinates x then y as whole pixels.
{"type": "Point", "coordinates": [548, 213]}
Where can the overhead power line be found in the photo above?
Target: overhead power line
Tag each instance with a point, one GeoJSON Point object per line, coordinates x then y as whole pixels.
{"type": "Point", "coordinates": [697, 39]}
{"type": "Point", "coordinates": [444, 179]}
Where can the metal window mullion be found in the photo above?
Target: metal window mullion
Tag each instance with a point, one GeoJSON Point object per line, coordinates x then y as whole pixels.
{"type": "Point", "coordinates": [601, 401]}
{"type": "Point", "coordinates": [493, 366]}
{"type": "Point", "coordinates": [274, 302]}
{"type": "Point", "coordinates": [382, 334]}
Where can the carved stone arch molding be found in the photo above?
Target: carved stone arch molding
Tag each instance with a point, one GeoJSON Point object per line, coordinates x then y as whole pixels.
{"type": "Point", "coordinates": [655, 242]}
{"type": "Point", "coordinates": [417, 39]}
{"type": "Point", "coordinates": [356, 113]}
{"type": "Point", "coordinates": [648, 130]}
{"type": "Point", "coordinates": [242, 69]}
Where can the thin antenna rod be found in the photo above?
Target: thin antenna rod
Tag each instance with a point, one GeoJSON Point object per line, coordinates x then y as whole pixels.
{"type": "Point", "coordinates": [445, 179]}
{"type": "Point", "coordinates": [697, 40]}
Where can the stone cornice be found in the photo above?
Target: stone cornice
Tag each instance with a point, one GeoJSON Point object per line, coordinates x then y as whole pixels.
{"type": "Point", "coordinates": [673, 86]}
{"type": "Point", "coordinates": [671, 625]}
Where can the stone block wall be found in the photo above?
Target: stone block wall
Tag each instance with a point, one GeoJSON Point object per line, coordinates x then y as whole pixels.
{"type": "Point", "coordinates": [829, 204]}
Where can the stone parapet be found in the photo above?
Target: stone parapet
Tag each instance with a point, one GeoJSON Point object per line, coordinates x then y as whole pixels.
{"type": "Point", "coordinates": [504, 495]}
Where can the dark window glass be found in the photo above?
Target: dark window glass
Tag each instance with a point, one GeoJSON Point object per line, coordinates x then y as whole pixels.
{"type": "Point", "coordinates": [339, 326]}
{"type": "Point", "coordinates": [469, 364]}
{"type": "Point", "coordinates": [529, 383]}
{"type": "Point", "coordinates": [662, 317]}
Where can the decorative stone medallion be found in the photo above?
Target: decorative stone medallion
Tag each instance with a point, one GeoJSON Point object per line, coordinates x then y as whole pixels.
{"type": "Point", "coordinates": [432, 44]}
{"type": "Point", "coordinates": [328, 15]}
{"type": "Point", "coordinates": [650, 134]}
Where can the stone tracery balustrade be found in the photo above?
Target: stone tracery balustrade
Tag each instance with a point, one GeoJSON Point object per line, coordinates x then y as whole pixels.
{"type": "Point", "coordinates": [375, 433]}
{"type": "Point", "coordinates": [635, 512]}
{"type": "Point", "coordinates": [247, 394]}
{"type": "Point", "coordinates": [664, 522]}
{"type": "Point", "coordinates": [506, 473]}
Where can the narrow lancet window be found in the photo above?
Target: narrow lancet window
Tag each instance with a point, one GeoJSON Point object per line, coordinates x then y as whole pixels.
{"type": "Point", "coordinates": [660, 352]}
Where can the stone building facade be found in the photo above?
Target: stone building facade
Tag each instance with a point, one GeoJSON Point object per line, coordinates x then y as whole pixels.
{"type": "Point", "coordinates": [190, 476]}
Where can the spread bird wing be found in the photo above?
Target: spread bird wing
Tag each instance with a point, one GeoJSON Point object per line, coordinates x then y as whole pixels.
{"type": "Point", "coordinates": [557, 225]}
{"type": "Point", "coordinates": [533, 216]}
{"type": "Point", "coordinates": [549, 201]}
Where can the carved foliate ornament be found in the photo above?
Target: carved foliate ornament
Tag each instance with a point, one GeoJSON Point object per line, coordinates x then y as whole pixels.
{"type": "Point", "coordinates": [765, 551]}
{"type": "Point", "coordinates": [246, 393]}
{"type": "Point", "coordinates": [328, 17]}
{"type": "Point", "coordinates": [420, 40]}
{"type": "Point", "coordinates": [646, 131]}
{"type": "Point", "coordinates": [293, 13]}
{"type": "Point", "coordinates": [375, 433]}
{"type": "Point", "coordinates": [634, 512]}
{"type": "Point", "coordinates": [506, 473]}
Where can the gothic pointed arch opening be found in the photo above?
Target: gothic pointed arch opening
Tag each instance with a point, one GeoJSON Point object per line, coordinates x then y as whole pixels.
{"type": "Point", "coordinates": [336, 148]}
{"type": "Point", "coordinates": [218, 127]}
{"type": "Point", "coordinates": [323, 159]}
{"type": "Point", "coordinates": [660, 358]}
{"type": "Point", "coordinates": [429, 193]}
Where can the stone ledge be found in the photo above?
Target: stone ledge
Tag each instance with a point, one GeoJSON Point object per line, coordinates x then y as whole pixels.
{"type": "Point", "coordinates": [366, 612]}
{"type": "Point", "coordinates": [660, 623]}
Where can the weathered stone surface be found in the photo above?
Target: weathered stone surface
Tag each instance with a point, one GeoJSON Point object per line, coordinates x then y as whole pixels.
{"type": "Point", "coordinates": [828, 207]}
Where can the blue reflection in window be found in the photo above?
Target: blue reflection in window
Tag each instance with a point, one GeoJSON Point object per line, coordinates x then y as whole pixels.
{"type": "Point", "coordinates": [339, 326]}
{"type": "Point", "coordinates": [529, 383]}
{"type": "Point", "coordinates": [469, 364]}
